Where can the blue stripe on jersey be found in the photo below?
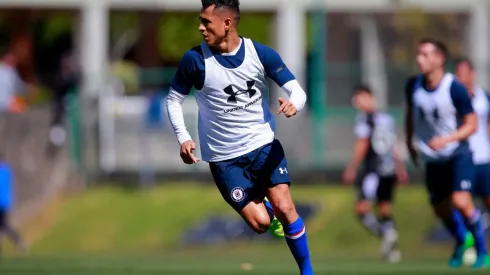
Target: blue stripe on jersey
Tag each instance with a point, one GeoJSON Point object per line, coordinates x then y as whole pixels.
{"type": "Point", "coordinates": [462, 103]}
{"type": "Point", "coordinates": [461, 99]}
{"type": "Point", "coordinates": [190, 72]}
{"type": "Point", "coordinates": [274, 67]}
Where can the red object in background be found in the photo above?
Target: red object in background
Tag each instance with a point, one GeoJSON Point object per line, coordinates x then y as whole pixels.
{"type": "Point", "coordinates": [17, 105]}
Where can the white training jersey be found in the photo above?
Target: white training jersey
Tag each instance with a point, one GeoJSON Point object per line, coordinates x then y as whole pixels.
{"type": "Point", "coordinates": [234, 118]}
{"type": "Point", "coordinates": [479, 141]}
{"type": "Point", "coordinates": [380, 129]}
{"type": "Point", "coordinates": [438, 113]}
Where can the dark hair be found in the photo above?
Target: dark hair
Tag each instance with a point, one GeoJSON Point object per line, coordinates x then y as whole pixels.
{"type": "Point", "coordinates": [231, 5]}
{"type": "Point", "coordinates": [362, 88]}
{"type": "Point", "coordinates": [463, 60]}
{"type": "Point", "coordinates": [439, 45]}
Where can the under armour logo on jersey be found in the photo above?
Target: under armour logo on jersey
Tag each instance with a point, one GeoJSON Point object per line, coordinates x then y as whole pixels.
{"type": "Point", "coordinates": [434, 115]}
{"type": "Point", "coordinates": [283, 170]}
{"type": "Point", "coordinates": [233, 94]}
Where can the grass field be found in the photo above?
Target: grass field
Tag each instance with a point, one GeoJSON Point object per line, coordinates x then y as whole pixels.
{"type": "Point", "coordinates": [153, 265]}
{"type": "Point", "coordinates": [112, 230]}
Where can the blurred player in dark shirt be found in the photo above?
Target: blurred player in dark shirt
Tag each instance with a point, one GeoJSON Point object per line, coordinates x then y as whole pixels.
{"type": "Point", "coordinates": [375, 153]}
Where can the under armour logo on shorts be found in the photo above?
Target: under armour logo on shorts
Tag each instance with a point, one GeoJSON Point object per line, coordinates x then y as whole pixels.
{"type": "Point", "coordinates": [465, 184]}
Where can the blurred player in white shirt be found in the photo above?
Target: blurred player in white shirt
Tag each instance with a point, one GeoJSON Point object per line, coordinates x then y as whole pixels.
{"type": "Point", "coordinates": [479, 141]}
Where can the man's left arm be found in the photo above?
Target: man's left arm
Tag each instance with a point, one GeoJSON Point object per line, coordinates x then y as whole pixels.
{"type": "Point", "coordinates": [276, 70]}
{"type": "Point", "coordinates": [464, 110]}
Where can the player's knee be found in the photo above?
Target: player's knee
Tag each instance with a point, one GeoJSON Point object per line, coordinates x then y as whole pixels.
{"type": "Point", "coordinates": [461, 200]}
{"type": "Point", "coordinates": [384, 209]}
{"type": "Point", "coordinates": [284, 207]}
{"type": "Point", "coordinates": [260, 225]}
{"type": "Point", "coordinates": [362, 207]}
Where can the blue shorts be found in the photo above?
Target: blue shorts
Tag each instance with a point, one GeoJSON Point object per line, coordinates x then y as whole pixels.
{"type": "Point", "coordinates": [481, 188]}
{"type": "Point", "coordinates": [445, 177]}
{"type": "Point", "coordinates": [246, 178]}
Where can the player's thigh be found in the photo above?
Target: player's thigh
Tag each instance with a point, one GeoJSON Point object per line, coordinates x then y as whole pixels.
{"type": "Point", "coordinates": [463, 173]}
{"type": "Point", "coordinates": [234, 183]}
{"type": "Point", "coordinates": [481, 187]}
{"type": "Point", "coordinates": [280, 198]}
{"type": "Point", "coordinates": [438, 181]}
{"type": "Point", "coordinates": [270, 171]}
{"type": "Point", "coordinates": [386, 190]}
{"type": "Point", "coordinates": [367, 185]}
{"type": "Point", "coordinates": [256, 216]}
{"type": "Point", "coordinates": [270, 166]}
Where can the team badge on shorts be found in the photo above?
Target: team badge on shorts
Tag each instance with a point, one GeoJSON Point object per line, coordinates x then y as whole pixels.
{"type": "Point", "coordinates": [237, 194]}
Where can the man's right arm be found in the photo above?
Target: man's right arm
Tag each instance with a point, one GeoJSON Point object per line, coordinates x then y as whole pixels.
{"type": "Point", "coordinates": [176, 115]}
{"type": "Point", "coordinates": [181, 85]}
{"type": "Point", "coordinates": [361, 146]}
{"type": "Point", "coordinates": [408, 111]}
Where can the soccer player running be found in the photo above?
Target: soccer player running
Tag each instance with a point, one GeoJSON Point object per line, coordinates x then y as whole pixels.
{"type": "Point", "coordinates": [479, 142]}
{"type": "Point", "coordinates": [375, 150]}
{"type": "Point", "coordinates": [440, 116]}
{"type": "Point", "coordinates": [236, 128]}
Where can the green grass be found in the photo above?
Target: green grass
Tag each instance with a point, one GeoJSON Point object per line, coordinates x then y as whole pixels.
{"type": "Point", "coordinates": [207, 266]}
{"type": "Point", "coordinates": [111, 230]}
{"type": "Point", "coordinates": [109, 219]}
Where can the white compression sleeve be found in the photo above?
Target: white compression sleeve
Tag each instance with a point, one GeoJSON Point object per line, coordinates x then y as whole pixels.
{"type": "Point", "coordinates": [176, 115]}
{"type": "Point", "coordinates": [297, 95]}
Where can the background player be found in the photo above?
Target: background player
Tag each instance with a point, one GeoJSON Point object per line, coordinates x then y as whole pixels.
{"type": "Point", "coordinates": [375, 149]}
{"type": "Point", "coordinates": [440, 115]}
{"type": "Point", "coordinates": [479, 142]}
{"type": "Point", "coordinates": [236, 128]}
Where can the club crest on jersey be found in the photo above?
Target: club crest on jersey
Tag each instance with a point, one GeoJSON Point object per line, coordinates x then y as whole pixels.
{"type": "Point", "coordinates": [233, 94]}
{"type": "Point", "coordinates": [237, 194]}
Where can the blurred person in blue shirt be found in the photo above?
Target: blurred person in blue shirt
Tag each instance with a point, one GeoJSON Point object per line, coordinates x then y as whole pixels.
{"type": "Point", "coordinates": [7, 203]}
{"type": "Point", "coordinates": [153, 127]}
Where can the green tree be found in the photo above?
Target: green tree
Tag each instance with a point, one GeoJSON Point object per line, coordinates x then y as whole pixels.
{"type": "Point", "coordinates": [178, 32]}
{"type": "Point", "coordinates": [413, 24]}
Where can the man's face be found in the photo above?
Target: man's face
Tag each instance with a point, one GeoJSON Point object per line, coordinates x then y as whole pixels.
{"type": "Point", "coordinates": [465, 74]}
{"type": "Point", "coordinates": [363, 101]}
{"type": "Point", "coordinates": [428, 58]}
{"type": "Point", "coordinates": [214, 26]}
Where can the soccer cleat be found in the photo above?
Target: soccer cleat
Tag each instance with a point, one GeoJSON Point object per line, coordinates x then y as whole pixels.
{"type": "Point", "coordinates": [481, 262]}
{"type": "Point", "coordinates": [394, 256]}
{"type": "Point", "coordinates": [456, 260]}
{"type": "Point", "coordinates": [389, 243]}
{"type": "Point", "coordinates": [276, 228]}
{"type": "Point", "coordinates": [469, 241]}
